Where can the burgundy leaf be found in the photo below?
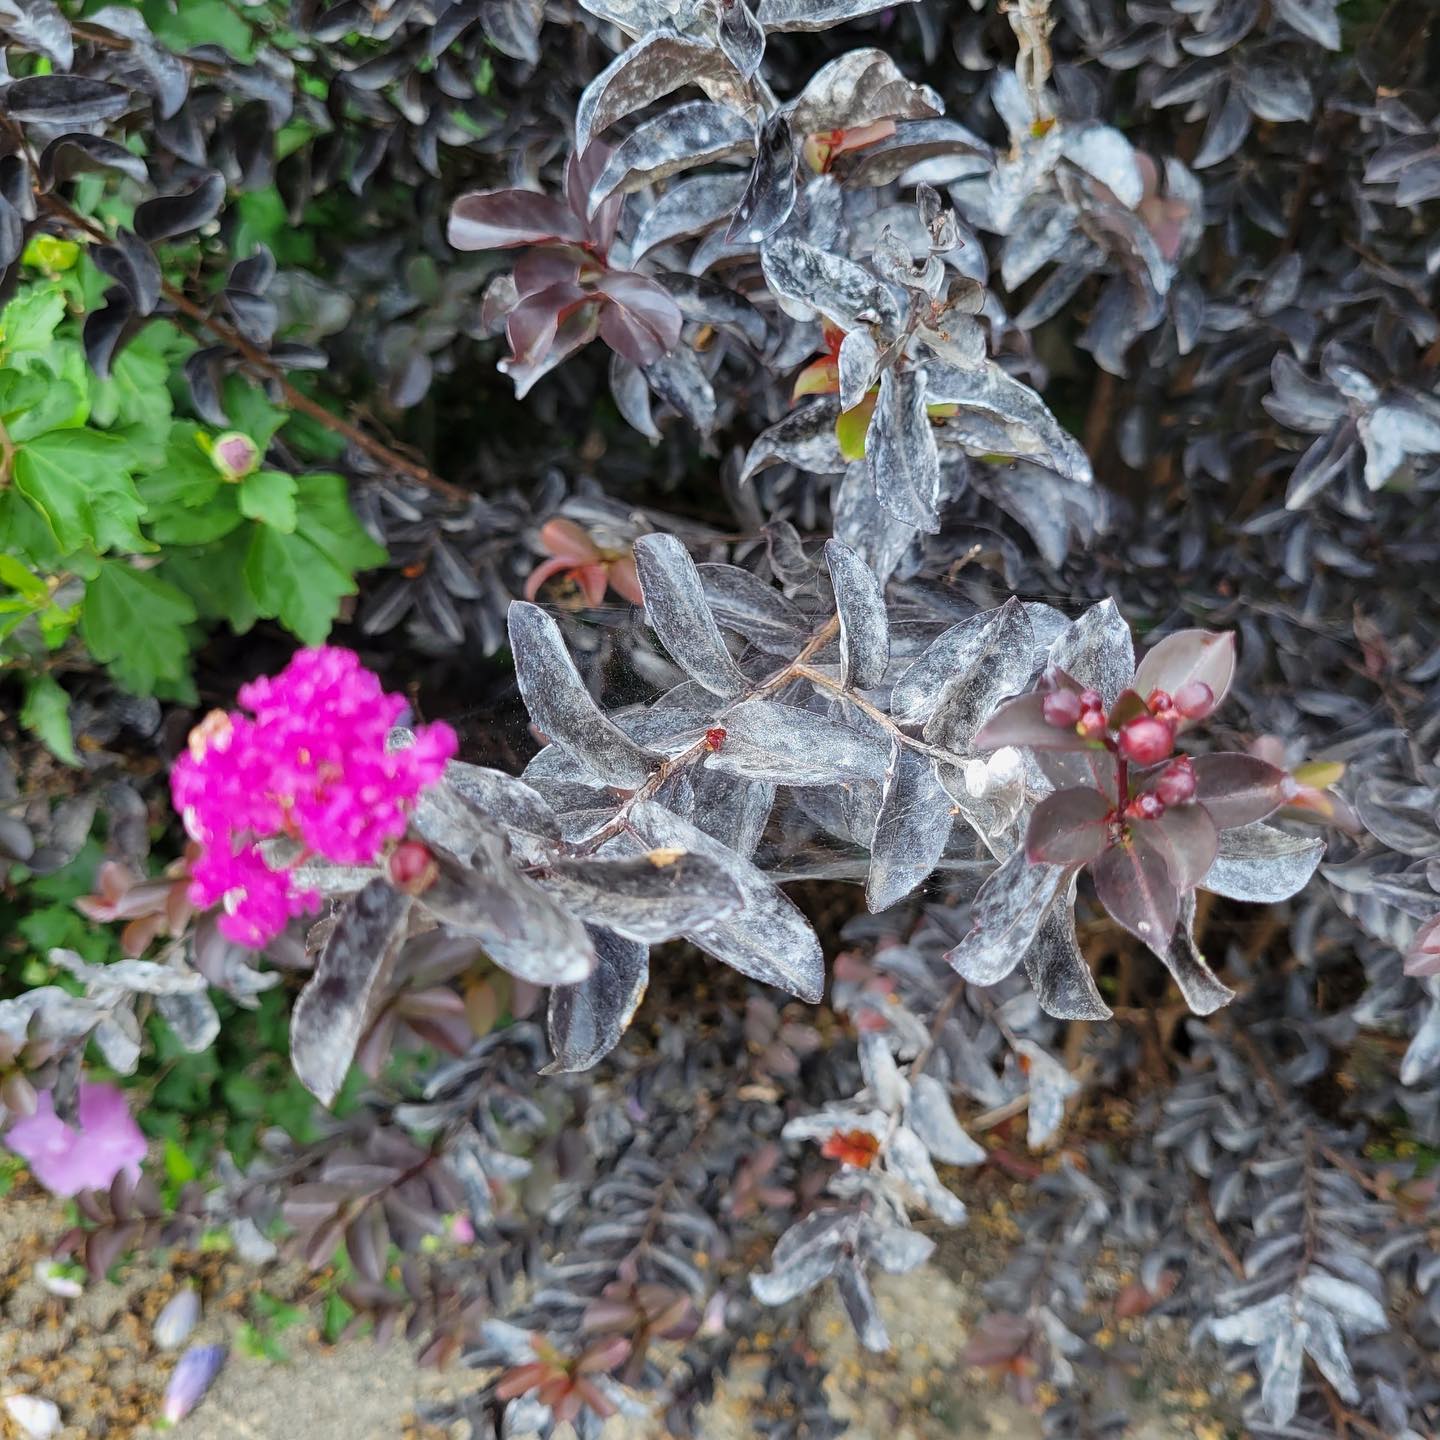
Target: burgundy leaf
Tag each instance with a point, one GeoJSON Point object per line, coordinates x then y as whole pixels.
{"type": "Point", "coordinates": [1069, 827]}
{"type": "Point", "coordinates": [576, 331]}
{"type": "Point", "coordinates": [1133, 882]}
{"type": "Point", "coordinates": [1187, 837]}
{"type": "Point", "coordinates": [1238, 789]}
{"type": "Point", "coordinates": [531, 325]}
{"type": "Point", "coordinates": [544, 266]}
{"type": "Point", "coordinates": [581, 173]}
{"type": "Point", "coordinates": [503, 219]}
{"type": "Point", "coordinates": [643, 323]}
{"type": "Point", "coordinates": [1423, 956]}
{"type": "Point", "coordinates": [1022, 722]}
{"type": "Point", "coordinates": [1207, 656]}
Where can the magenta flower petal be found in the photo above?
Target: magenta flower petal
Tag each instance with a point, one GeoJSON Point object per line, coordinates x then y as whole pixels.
{"type": "Point", "coordinates": [66, 1160]}
{"type": "Point", "coordinates": [309, 763]}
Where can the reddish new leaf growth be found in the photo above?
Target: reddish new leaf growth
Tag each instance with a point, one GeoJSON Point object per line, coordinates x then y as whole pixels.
{"type": "Point", "coordinates": [852, 1147]}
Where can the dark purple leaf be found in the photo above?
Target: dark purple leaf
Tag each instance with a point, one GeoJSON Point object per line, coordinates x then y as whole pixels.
{"type": "Point", "coordinates": [1237, 789]}
{"type": "Point", "coordinates": [1070, 827]}
{"type": "Point", "coordinates": [169, 216]}
{"type": "Point", "coordinates": [1187, 837]}
{"type": "Point", "coordinates": [131, 262]}
{"type": "Point", "coordinates": [1022, 722]}
{"type": "Point", "coordinates": [643, 323]}
{"type": "Point", "coordinates": [1189, 657]}
{"type": "Point", "coordinates": [1133, 882]}
{"type": "Point", "coordinates": [64, 100]}
{"type": "Point", "coordinates": [503, 219]}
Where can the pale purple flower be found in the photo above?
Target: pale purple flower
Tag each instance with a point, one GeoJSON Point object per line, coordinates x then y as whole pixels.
{"type": "Point", "coordinates": [66, 1160]}
{"type": "Point", "coordinates": [191, 1378]}
{"type": "Point", "coordinates": [310, 763]}
{"type": "Point", "coordinates": [175, 1322]}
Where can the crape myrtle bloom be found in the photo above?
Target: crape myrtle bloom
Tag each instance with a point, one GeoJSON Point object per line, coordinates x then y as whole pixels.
{"type": "Point", "coordinates": [308, 764]}
{"type": "Point", "coordinates": [577, 558]}
{"type": "Point", "coordinates": [66, 1159]}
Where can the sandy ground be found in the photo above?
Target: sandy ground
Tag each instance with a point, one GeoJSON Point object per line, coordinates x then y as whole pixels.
{"type": "Point", "coordinates": [94, 1357]}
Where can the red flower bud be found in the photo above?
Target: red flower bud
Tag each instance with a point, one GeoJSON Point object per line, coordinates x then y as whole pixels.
{"type": "Point", "coordinates": [1176, 784]}
{"type": "Point", "coordinates": [412, 867]}
{"type": "Point", "coordinates": [1092, 724]}
{"type": "Point", "coordinates": [1091, 700]}
{"type": "Point", "coordinates": [1146, 740]}
{"type": "Point", "coordinates": [1159, 700]}
{"type": "Point", "coordinates": [1062, 709]}
{"type": "Point", "coordinates": [1194, 699]}
{"type": "Point", "coordinates": [1148, 806]}
{"type": "Point", "coordinates": [715, 737]}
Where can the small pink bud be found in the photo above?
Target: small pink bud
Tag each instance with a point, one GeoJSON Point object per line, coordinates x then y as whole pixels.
{"type": "Point", "coordinates": [1146, 740]}
{"type": "Point", "coordinates": [412, 867]}
{"type": "Point", "coordinates": [1159, 700]}
{"type": "Point", "coordinates": [1148, 806]}
{"type": "Point", "coordinates": [1091, 700]}
{"type": "Point", "coordinates": [235, 455]}
{"type": "Point", "coordinates": [1062, 709]}
{"type": "Point", "coordinates": [1176, 784]}
{"type": "Point", "coordinates": [1092, 724]}
{"type": "Point", "coordinates": [1194, 699]}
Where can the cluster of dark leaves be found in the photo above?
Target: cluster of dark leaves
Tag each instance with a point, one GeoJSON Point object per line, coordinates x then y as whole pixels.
{"type": "Point", "coordinates": [854, 304]}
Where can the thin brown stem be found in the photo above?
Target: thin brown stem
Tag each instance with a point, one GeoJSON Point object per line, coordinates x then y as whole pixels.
{"type": "Point", "coordinates": [701, 748]}
{"type": "Point", "coordinates": [258, 361]}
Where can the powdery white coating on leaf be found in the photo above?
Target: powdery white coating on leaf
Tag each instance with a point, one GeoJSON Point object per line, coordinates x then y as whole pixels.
{"type": "Point", "coordinates": [814, 14]}
{"type": "Point", "coordinates": [695, 133]}
{"type": "Point", "coordinates": [901, 452]}
{"type": "Point", "coordinates": [770, 940]}
{"type": "Point", "coordinates": [1006, 917]}
{"type": "Point", "coordinates": [1051, 1085]}
{"type": "Point", "coordinates": [647, 899]}
{"type": "Point", "coordinates": [654, 66]}
{"type": "Point", "coordinates": [857, 89]}
{"type": "Point", "coordinates": [864, 619]}
{"type": "Point", "coordinates": [1263, 864]}
{"type": "Point", "coordinates": [804, 438]}
{"type": "Point", "coordinates": [1097, 651]}
{"type": "Point", "coordinates": [687, 208]}
{"type": "Point", "coordinates": [563, 709]}
{"type": "Point", "coordinates": [587, 1020]}
{"type": "Point", "coordinates": [677, 611]}
{"type": "Point", "coordinates": [334, 1007]}
{"type": "Point", "coordinates": [813, 279]}
{"type": "Point", "coordinates": [766, 740]}
{"type": "Point", "coordinates": [930, 1114]}
{"type": "Point", "coordinates": [994, 663]}
{"type": "Point", "coordinates": [741, 601]}
{"type": "Point", "coordinates": [911, 829]}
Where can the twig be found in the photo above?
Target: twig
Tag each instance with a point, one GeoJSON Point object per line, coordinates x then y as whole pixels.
{"type": "Point", "coordinates": [260, 362]}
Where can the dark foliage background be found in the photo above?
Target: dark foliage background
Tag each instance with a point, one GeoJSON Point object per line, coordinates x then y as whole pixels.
{"type": "Point", "coordinates": [1164, 275]}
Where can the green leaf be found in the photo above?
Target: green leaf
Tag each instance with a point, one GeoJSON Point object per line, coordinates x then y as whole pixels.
{"type": "Point", "coordinates": [295, 582]}
{"type": "Point", "coordinates": [137, 393]}
{"type": "Point", "coordinates": [180, 1169]}
{"type": "Point", "coordinates": [20, 579]}
{"type": "Point", "coordinates": [79, 481]}
{"type": "Point", "coordinates": [201, 525]}
{"type": "Point", "coordinates": [327, 521]}
{"type": "Point", "coordinates": [251, 412]}
{"type": "Point", "coordinates": [46, 713]}
{"type": "Point", "coordinates": [213, 576]}
{"type": "Point", "coordinates": [30, 320]}
{"type": "Point", "coordinates": [269, 496]}
{"type": "Point", "coordinates": [200, 22]}
{"type": "Point", "coordinates": [33, 402]}
{"type": "Point", "coordinates": [134, 622]}
{"type": "Point", "coordinates": [187, 478]}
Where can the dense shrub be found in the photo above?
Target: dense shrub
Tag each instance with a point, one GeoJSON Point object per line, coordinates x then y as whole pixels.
{"type": "Point", "coordinates": [781, 604]}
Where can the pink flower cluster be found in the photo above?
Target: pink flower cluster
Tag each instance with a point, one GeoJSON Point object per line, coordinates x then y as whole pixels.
{"type": "Point", "coordinates": [311, 765]}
